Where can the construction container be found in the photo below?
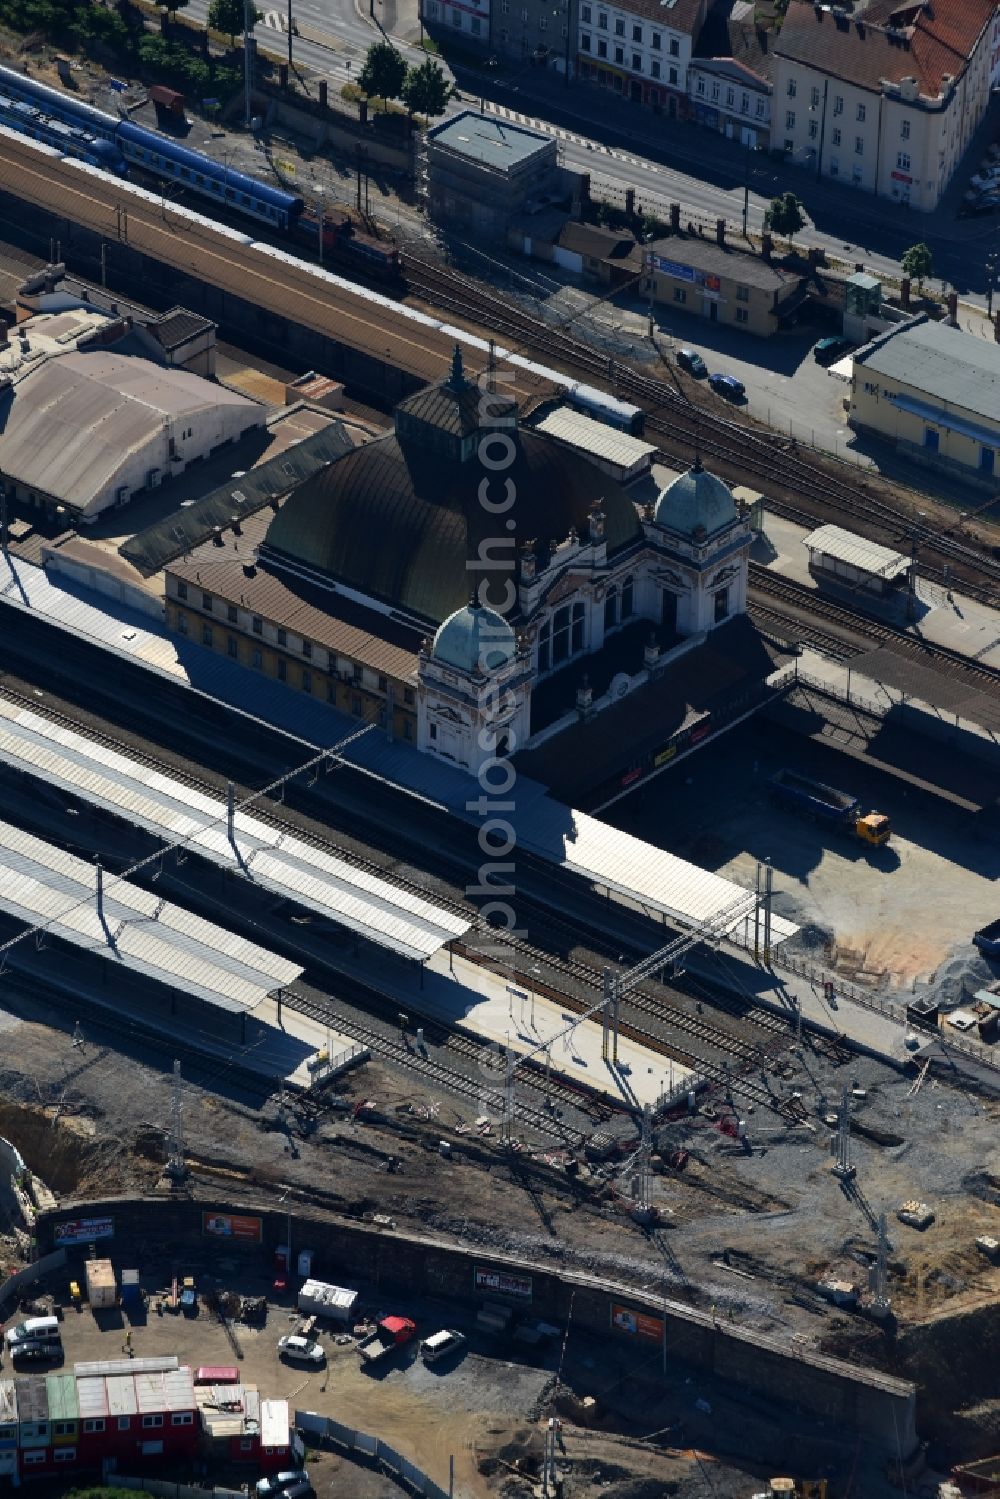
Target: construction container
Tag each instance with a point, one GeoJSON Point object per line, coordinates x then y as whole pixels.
{"type": "Point", "coordinates": [131, 1290]}
{"type": "Point", "coordinates": [101, 1288]}
{"type": "Point", "coordinates": [323, 1300]}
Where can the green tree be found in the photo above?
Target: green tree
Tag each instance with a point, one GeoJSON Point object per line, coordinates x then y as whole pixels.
{"type": "Point", "coordinates": [918, 263]}
{"type": "Point", "coordinates": [785, 215]}
{"type": "Point", "coordinates": [426, 90]}
{"type": "Point", "coordinates": [383, 72]}
{"type": "Point", "coordinates": [230, 16]}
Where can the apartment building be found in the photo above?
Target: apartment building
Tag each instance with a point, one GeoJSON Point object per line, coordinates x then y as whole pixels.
{"type": "Point", "coordinates": [732, 94]}
{"type": "Point", "coordinates": [640, 49]}
{"type": "Point", "coordinates": [539, 32]}
{"type": "Point", "coordinates": [467, 19]}
{"type": "Point", "coordinates": [887, 101]}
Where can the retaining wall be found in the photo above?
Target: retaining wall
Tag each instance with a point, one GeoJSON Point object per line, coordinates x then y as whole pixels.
{"type": "Point", "coordinates": [867, 1401]}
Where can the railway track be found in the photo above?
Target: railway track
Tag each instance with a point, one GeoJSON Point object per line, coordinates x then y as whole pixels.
{"type": "Point", "coordinates": [643, 1004]}
{"type": "Point", "coordinates": [979, 677]}
{"type": "Point", "coordinates": [781, 472]}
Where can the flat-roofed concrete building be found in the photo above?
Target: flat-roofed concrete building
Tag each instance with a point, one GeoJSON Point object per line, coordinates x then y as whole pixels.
{"type": "Point", "coordinates": [483, 172]}
{"type": "Point", "coordinates": [934, 392]}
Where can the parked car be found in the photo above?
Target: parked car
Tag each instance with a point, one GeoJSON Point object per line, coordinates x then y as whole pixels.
{"type": "Point", "coordinates": [728, 386]}
{"type": "Point", "coordinates": [691, 360]}
{"type": "Point", "coordinates": [979, 205]}
{"type": "Point", "coordinates": [301, 1350]}
{"type": "Point", "coordinates": [829, 350]}
{"type": "Point", "coordinates": [440, 1344]}
{"type": "Point", "coordinates": [36, 1353]}
{"type": "Point", "coordinates": [293, 1484]}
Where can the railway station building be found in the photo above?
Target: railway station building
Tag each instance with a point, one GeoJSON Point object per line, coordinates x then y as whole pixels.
{"type": "Point", "coordinates": [385, 587]}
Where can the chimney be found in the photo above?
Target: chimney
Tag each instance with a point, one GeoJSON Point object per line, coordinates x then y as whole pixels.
{"type": "Point", "coordinates": [996, 328]}
{"type": "Point", "coordinates": [953, 308]}
{"type": "Point", "coordinates": [584, 187]}
{"type": "Point", "coordinates": [904, 293]}
{"type": "Point", "coordinates": [528, 562]}
{"type": "Point", "coordinates": [675, 218]}
{"type": "Point", "coordinates": [766, 245]}
{"type": "Point", "coordinates": [720, 231]}
{"type": "Point", "coordinates": [630, 202]}
{"type": "Point", "coordinates": [596, 523]}
{"type": "Point", "coordinates": [813, 255]}
{"type": "Point", "coordinates": [322, 93]}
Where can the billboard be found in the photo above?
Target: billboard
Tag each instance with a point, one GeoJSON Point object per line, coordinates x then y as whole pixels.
{"type": "Point", "coordinates": [499, 1283]}
{"type": "Point", "coordinates": [637, 1324]}
{"type": "Point", "coordinates": [83, 1230]}
{"type": "Point", "coordinates": [707, 279]}
{"type": "Point", "coordinates": [231, 1226]}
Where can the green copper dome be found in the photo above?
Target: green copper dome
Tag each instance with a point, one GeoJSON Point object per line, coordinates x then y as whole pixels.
{"type": "Point", "coordinates": [696, 501]}
{"type": "Point", "coordinates": [474, 639]}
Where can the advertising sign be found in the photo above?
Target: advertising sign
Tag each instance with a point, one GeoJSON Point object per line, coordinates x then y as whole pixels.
{"type": "Point", "coordinates": [637, 1324]}
{"type": "Point", "coordinates": [231, 1226]}
{"type": "Point", "coordinates": [680, 272]}
{"type": "Point", "coordinates": [84, 1230]}
{"type": "Point", "coordinates": [499, 1283]}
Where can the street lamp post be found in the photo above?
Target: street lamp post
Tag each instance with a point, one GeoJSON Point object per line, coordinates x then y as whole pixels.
{"type": "Point", "coordinates": [992, 262]}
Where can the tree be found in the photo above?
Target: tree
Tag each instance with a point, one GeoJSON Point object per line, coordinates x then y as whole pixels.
{"type": "Point", "coordinates": [426, 90]}
{"type": "Point", "coordinates": [383, 72]}
{"type": "Point", "coordinates": [785, 215]}
{"type": "Point", "coordinates": [230, 16]}
{"type": "Point", "coordinates": [918, 263]}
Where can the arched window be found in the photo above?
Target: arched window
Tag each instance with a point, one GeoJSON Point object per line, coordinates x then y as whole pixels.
{"type": "Point", "coordinates": [628, 590]}
{"type": "Point", "coordinates": [611, 608]}
{"type": "Point", "coordinates": [560, 635]}
{"type": "Point", "coordinates": [545, 646]}
{"type": "Point", "coordinates": [578, 618]}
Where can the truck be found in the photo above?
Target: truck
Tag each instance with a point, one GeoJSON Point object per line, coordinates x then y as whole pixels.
{"type": "Point", "coordinates": [987, 939]}
{"type": "Point", "coordinates": [390, 1333]}
{"type": "Point", "coordinates": [838, 808]}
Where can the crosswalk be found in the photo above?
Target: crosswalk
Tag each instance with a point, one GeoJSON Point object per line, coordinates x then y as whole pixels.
{"type": "Point", "coordinates": [504, 112]}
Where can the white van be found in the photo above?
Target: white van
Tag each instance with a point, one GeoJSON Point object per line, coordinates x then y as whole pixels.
{"type": "Point", "coordinates": [34, 1330]}
{"type": "Point", "coordinates": [439, 1344]}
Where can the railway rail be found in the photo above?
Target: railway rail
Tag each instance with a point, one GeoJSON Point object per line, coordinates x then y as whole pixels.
{"type": "Point", "coordinates": [799, 597]}
{"type": "Point", "coordinates": [641, 1005]}
{"type": "Point", "coordinates": [782, 472]}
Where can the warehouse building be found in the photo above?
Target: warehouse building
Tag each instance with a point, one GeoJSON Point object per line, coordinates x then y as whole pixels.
{"type": "Point", "coordinates": [83, 429]}
{"type": "Point", "coordinates": [934, 392]}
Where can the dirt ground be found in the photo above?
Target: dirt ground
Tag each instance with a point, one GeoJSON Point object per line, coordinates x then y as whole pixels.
{"type": "Point", "coordinates": [870, 906]}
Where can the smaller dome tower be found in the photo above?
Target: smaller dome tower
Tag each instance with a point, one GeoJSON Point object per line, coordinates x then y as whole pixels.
{"type": "Point", "coordinates": [474, 692]}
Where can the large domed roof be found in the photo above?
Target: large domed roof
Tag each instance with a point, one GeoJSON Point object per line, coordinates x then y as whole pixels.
{"type": "Point", "coordinates": [475, 639]}
{"type": "Point", "coordinates": [400, 522]}
{"type": "Point", "coordinates": [696, 501]}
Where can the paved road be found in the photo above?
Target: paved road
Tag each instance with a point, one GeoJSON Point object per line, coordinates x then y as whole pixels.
{"type": "Point", "coordinates": [663, 160]}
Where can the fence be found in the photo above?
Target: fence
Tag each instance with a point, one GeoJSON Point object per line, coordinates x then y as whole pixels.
{"type": "Point", "coordinates": [372, 1450]}
{"type": "Point", "coordinates": [171, 1490]}
{"type": "Point", "coordinates": [31, 1273]}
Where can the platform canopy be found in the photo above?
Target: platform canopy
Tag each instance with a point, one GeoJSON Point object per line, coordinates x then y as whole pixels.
{"type": "Point", "coordinates": [857, 552]}
{"type": "Point", "coordinates": [272, 858]}
{"type": "Point", "coordinates": [133, 928]}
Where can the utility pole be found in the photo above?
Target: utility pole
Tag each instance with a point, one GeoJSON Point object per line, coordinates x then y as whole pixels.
{"type": "Point", "coordinates": [248, 56]}
{"type": "Point", "coordinates": [844, 1168]}
{"type": "Point", "coordinates": [291, 26]}
{"type": "Point", "coordinates": [879, 1280]}
{"type": "Point", "coordinates": [4, 530]}
{"type": "Point", "coordinates": [991, 277]}
{"type": "Point", "coordinates": [176, 1169]}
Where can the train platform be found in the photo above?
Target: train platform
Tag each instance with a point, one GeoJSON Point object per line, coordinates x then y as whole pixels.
{"type": "Point", "coordinates": [944, 616]}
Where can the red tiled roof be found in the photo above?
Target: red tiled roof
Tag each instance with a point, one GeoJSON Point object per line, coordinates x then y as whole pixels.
{"type": "Point", "coordinates": [680, 15]}
{"type": "Point", "coordinates": [925, 41]}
